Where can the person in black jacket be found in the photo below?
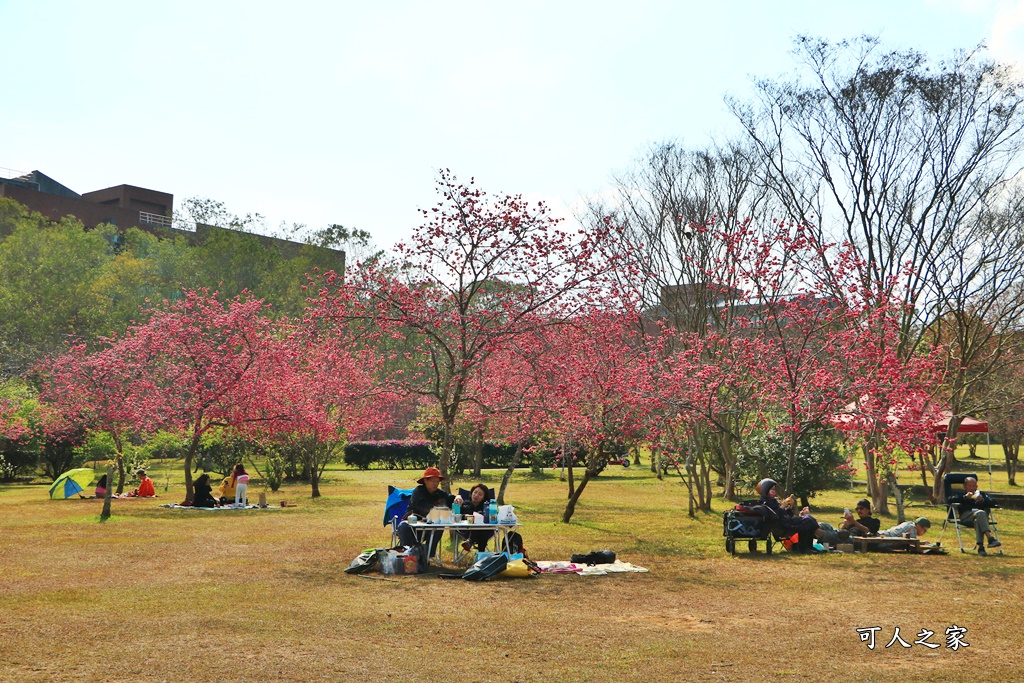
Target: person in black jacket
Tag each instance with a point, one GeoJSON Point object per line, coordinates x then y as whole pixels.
{"type": "Point", "coordinates": [479, 496]}
{"type": "Point", "coordinates": [973, 506]}
{"type": "Point", "coordinates": [427, 495]}
{"type": "Point", "coordinates": [802, 524]}
{"type": "Point", "coordinates": [203, 497]}
{"type": "Point", "coordinates": [861, 525]}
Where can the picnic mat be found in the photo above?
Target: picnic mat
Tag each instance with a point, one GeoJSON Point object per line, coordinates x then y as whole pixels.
{"type": "Point", "coordinates": [616, 567]}
{"type": "Point", "coordinates": [175, 506]}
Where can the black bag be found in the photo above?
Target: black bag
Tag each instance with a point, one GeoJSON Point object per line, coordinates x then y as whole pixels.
{"type": "Point", "coordinates": [596, 557]}
{"type": "Point", "coordinates": [367, 561]}
{"type": "Point", "coordinates": [486, 568]}
{"type": "Point", "coordinates": [513, 543]}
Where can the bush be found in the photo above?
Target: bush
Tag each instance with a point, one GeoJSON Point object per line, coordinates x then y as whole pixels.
{"type": "Point", "coordinates": [816, 467]}
{"type": "Point", "coordinates": [392, 455]}
{"type": "Point", "coordinates": [17, 457]}
{"type": "Point", "coordinates": [62, 452]}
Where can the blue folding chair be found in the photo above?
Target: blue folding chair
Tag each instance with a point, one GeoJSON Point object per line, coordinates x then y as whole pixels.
{"type": "Point", "coordinates": [394, 509]}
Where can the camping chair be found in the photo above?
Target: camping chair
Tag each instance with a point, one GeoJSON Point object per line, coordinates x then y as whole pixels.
{"type": "Point", "coordinates": [953, 509]}
{"type": "Point", "coordinates": [394, 510]}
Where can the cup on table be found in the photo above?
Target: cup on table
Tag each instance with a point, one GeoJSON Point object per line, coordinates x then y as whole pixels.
{"type": "Point", "coordinates": [413, 519]}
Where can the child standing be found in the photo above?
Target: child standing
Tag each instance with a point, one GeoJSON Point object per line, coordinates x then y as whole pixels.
{"type": "Point", "coordinates": [241, 479]}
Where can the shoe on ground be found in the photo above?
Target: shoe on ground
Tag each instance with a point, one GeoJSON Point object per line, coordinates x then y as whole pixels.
{"type": "Point", "coordinates": [994, 542]}
{"type": "Point", "coordinates": [981, 550]}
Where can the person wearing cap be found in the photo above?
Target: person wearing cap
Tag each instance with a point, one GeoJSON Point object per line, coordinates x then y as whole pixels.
{"type": "Point", "coordinates": [863, 524]}
{"type": "Point", "coordinates": [426, 496]}
{"type": "Point", "coordinates": [973, 506]}
{"type": "Point", "coordinates": [802, 524]}
{"type": "Point", "coordinates": [916, 529]}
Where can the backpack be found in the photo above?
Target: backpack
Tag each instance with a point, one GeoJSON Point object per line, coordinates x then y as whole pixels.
{"type": "Point", "coordinates": [595, 557]}
{"type": "Point", "coordinates": [365, 562]}
{"type": "Point", "coordinates": [487, 567]}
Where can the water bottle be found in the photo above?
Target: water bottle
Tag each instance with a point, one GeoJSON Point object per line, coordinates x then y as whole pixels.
{"type": "Point", "coordinates": [455, 512]}
{"type": "Point", "coordinates": [492, 512]}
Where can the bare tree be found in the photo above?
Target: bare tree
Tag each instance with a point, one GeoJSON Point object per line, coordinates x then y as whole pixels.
{"type": "Point", "coordinates": [912, 162]}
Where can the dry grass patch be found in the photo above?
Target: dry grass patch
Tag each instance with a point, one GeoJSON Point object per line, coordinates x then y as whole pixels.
{"type": "Point", "coordinates": [161, 595]}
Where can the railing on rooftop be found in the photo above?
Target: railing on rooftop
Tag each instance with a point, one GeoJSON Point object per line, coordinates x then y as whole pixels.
{"type": "Point", "coordinates": [10, 173]}
{"type": "Point", "coordinates": [154, 219]}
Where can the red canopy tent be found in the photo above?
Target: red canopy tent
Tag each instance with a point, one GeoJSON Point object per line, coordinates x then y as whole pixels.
{"type": "Point", "coordinates": [968, 425]}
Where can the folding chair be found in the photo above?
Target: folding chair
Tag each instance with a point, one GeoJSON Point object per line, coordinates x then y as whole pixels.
{"type": "Point", "coordinates": [394, 510]}
{"type": "Point", "coordinates": [953, 513]}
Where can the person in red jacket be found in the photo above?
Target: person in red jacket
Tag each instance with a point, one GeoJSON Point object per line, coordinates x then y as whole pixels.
{"type": "Point", "coordinates": [146, 488]}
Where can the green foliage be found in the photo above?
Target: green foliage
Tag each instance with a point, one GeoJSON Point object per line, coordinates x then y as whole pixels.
{"type": "Point", "coordinates": [818, 458]}
{"type": "Point", "coordinates": [62, 452]}
{"type": "Point", "coordinates": [59, 280]}
{"type": "Point", "coordinates": [164, 445]}
{"type": "Point", "coordinates": [98, 446]}
{"type": "Point", "coordinates": [220, 451]}
{"type": "Point", "coordinates": [273, 468]}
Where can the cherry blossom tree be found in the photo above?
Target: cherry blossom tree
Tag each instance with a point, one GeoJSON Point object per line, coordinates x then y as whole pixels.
{"type": "Point", "coordinates": [479, 271]}
{"type": "Point", "coordinates": [214, 364]}
{"type": "Point", "coordinates": [106, 389]}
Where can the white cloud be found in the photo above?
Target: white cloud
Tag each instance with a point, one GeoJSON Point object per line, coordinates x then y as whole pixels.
{"type": "Point", "coordinates": [1007, 36]}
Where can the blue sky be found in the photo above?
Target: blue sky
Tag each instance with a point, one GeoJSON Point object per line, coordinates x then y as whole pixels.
{"type": "Point", "coordinates": [341, 112]}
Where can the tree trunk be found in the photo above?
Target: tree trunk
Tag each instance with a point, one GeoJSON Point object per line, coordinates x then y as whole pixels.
{"type": "Point", "coordinates": [572, 485]}
{"type": "Point", "coordinates": [119, 459]}
{"type": "Point", "coordinates": [946, 460]}
{"type": "Point", "coordinates": [1011, 449]}
{"type": "Point", "coordinates": [192, 450]}
{"type": "Point", "coordinates": [447, 455]}
{"type": "Point", "coordinates": [570, 507]}
{"type": "Point", "coordinates": [891, 481]}
{"type": "Point", "coordinates": [655, 462]}
{"type": "Point", "coordinates": [729, 461]}
{"type": "Point", "coordinates": [791, 463]}
{"type": "Point", "coordinates": [105, 514]}
{"type": "Point", "coordinates": [516, 457]}
{"type": "Point", "coordinates": [478, 459]}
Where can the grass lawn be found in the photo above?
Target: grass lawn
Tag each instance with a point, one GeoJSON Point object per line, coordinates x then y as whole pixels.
{"type": "Point", "coordinates": [163, 595]}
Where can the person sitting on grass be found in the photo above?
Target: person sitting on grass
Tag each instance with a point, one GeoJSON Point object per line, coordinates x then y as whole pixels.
{"type": "Point", "coordinates": [101, 487]}
{"type": "Point", "coordinates": [145, 489]}
{"type": "Point", "coordinates": [203, 493]}
{"type": "Point", "coordinates": [425, 497]}
{"type": "Point", "coordinates": [226, 490]}
{"type": "Point", "coordinates": [802, 524]}
{"type": "Point", "coordinates": [973, 506]}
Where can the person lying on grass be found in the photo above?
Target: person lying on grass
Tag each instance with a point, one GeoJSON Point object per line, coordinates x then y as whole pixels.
{"type": "Point", "coordinates": [802, 524]}
{"type": "Point", "coordinates": [916, 529]}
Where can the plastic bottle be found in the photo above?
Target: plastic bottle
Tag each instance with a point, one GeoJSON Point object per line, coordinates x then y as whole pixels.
{"type": "Point", "coordinates": [492, 512]}
{"type": "Point", "coordinates": [455, 510]}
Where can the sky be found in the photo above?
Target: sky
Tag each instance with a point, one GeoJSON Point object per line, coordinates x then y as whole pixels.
{"type": "Point", "coordinates": [343, 112]}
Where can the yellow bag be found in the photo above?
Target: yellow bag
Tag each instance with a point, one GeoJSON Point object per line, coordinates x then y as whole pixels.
{"type": "Point", "coordinates": [516, 569]}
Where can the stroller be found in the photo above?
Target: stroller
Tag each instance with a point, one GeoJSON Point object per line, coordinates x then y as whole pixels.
{"type": "Point", "coordinates": [745, 522]}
